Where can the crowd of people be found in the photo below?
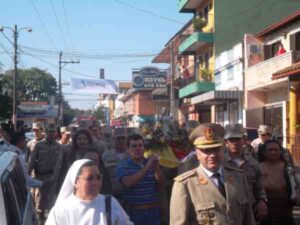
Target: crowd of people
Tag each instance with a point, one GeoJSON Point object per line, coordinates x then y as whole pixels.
{"type": "Point", "coordinates": [83, 177]}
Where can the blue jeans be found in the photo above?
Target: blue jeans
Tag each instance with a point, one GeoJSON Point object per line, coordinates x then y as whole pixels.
{"type": "Point", "coordinates": [144, 216]}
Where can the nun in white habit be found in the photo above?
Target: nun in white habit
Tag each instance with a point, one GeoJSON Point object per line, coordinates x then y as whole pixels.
{"type": "Point", "coordinates": [79, 201]}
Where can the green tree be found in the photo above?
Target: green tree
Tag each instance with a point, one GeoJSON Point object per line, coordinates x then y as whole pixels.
{"type": "Point", "coordinates": [5, 101]}
{"type": "Point", "coordinates": [99, 113]}
{"type": "Point", "coordinates": [32, 84]}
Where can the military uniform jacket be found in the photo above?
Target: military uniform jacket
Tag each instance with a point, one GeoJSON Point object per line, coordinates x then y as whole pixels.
{"type": "Point", "coordinates": [253, 174]}
{"type": "Point", "coordinates": [30, 146]}
{"type": "Point", "coordinates": [46, 159]}
{"type": "Point", "coordinates": [197, 200]}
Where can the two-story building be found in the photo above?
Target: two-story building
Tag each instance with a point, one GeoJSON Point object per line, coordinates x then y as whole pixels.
{"type": "Point", "coordinates": [272, 84]}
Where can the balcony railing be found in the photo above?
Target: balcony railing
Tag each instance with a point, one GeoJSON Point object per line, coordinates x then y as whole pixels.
{"type": "Point", "coordinates": [179, 79]}
{"type": "Point", "coordinates": [260, 75]}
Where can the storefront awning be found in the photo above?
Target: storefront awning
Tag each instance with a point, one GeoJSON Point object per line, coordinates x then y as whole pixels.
{"type": "Point", "coordinates": [216, 97]}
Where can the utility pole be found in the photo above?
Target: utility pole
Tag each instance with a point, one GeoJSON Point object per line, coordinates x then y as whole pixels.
{"type": "Point", "coordinates": [60, 100]}
{"type": "Point", "coordinates": [15, 35]}
{"type": "Point", "coordinates": [172, 97]}
{"type": "Point", "coordinates": [15, 32]}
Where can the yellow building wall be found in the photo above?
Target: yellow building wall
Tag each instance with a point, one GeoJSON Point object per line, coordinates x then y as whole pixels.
{"type": "Point", "coordinates": [208, 48]}
{"type": "Point", "coordinates": [211, 15]}
{"type": "Point", "coordinates": [211, 62]}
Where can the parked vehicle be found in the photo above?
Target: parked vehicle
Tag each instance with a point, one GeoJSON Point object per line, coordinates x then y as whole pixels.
{"type": "Point", "coordinates": [16, 206]}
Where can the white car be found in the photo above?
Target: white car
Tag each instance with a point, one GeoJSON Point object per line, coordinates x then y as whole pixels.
{"type": "Point", "coordinates": [16, 206]}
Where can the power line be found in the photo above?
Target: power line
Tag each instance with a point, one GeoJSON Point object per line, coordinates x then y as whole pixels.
{"type": "Point", "coordinates": [58, 24]}
{"type": "Point", "coordinates": [43, 24]}
{"type": "Point", "coordinates": [150, 13]}
{"type": "Point", "coordinates": [7, 38]}
{"type": "Point", "coordinates": [6, 51]}
{"type": "Point", "coordinates": [67, 70]}
{"type": "Point", "coordinates": [94, 56]}
{"type": "Point", "coordinates": [68, 26]}
{"type": "Point", "coordinates": [51, 64]}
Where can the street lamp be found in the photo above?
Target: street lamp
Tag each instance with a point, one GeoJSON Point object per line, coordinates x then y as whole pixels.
{"type": "Point", "coordinates": [16, 32]}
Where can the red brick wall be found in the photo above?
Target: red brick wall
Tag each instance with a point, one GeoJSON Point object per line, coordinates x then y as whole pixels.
{"type": "Point", "coordinates": [145, 104]}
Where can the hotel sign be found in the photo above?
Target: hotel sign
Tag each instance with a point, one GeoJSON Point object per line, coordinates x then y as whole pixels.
{"type": "Point", "coordinates": [149, 77]}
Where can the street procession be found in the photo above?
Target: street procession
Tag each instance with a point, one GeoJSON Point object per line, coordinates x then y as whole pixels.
{"type": "Point", "coordinates": [155, 112]}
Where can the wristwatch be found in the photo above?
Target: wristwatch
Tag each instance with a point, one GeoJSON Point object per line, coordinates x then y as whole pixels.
{"type": "Point", "coordinates": [265, 200]}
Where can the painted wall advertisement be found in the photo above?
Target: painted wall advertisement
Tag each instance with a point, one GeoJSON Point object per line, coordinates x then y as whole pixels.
{"type": "Point", "coordinates": [149, 77]}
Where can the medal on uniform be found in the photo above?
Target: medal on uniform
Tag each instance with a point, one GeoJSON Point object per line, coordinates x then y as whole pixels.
{"type": "Point", "coordinates": [202, 180]}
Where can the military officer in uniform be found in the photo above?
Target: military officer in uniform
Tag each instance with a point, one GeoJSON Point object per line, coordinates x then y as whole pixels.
{"type": "Point", "coordinates": [38, 136]}
{"type": "Point", "coordinates": [213, 193]}
{"type": "Point", "coordinates": [46, 161]}
{"type": "Point", "coordinates": [65, 134]}
{"type": "Point", "coordinates": [236, 156]}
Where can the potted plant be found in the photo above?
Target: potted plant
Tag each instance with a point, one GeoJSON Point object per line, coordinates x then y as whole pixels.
{"type": "Point", "coordinates": [206, 74]}
{"type": "Point", "coordinates": [199, 23]}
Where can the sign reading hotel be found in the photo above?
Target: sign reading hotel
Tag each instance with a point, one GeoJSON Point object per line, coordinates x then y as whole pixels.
{"type": "Point", "coordinates": [149, 77]}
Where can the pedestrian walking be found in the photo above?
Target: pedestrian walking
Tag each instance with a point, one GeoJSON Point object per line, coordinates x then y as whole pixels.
{"type": "Point", "coordinates": [79, 201]}
{"type": "Point", "coordinates": [214, 192]}
{"type": "Point", "coordinates": [46, 162]}
{"type": "Point", "coordinates": [277, 185]}
{"type": "Point", "coordinates": [142, 179]}
{"type": "Point", "coordinates": [38, 130]}
{"type": "Point", "coordinates": [82, 143]}
{"type": "Point", "coordinates": [264, 134]}
{"type": "Point", "coordinates": [236, 156]}
{"type": "Point", "coordinates": [18, 141]}
{"type": "Point", "coordinates": [65, 136]}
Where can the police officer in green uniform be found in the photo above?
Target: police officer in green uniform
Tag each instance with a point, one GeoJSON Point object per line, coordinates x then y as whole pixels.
{"type": "Point", "coordinates": [236, 156]}
{"type": "Point", "coordinates": [214, 192]}
{"type": "Point", "coordinates": [46, 161]}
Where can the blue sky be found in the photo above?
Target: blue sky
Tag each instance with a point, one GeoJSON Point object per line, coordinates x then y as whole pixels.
{"type": "Point", "coordinates": [90, 27]}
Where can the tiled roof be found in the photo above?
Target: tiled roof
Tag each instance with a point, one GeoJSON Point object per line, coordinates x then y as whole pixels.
{"type": "Point", "coordinates": [288, 71]}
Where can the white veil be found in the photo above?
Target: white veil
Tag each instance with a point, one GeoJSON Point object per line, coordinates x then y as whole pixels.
{"type": "Point", "coordinates": [68, 186]}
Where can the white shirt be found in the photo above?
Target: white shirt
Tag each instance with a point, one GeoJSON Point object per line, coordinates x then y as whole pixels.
{"type": "Point", "coordinates": [75, 211]}
{"type": "Point", "coordinates": [255, 143]}
{"type": "Point", "coordinates": [211, 174]}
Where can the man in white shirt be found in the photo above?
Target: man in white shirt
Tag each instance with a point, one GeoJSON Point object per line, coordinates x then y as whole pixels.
{"type": "Point", "coordinates": [264, 134]}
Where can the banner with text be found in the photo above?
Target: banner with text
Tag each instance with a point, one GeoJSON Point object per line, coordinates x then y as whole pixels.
{"type": "Point", "coordinates": [99, 86]}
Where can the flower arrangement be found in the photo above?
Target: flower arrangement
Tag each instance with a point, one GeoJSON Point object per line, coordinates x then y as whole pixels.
{"type": "Point", "coordinates": [154, 137]}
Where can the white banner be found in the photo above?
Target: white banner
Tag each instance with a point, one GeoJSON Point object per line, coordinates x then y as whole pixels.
{"type": "Point", "coordinates": [99, 86]}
